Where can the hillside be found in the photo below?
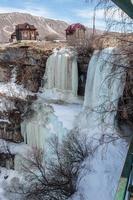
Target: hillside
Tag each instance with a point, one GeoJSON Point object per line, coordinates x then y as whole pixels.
{"type": "Point", "coordinates": [44, 26]}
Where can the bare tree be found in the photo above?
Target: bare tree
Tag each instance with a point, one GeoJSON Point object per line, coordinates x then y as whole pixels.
{"type": "Point", "coordinates": [55, 178]}
{"type": "Point", "coordinates": [117, 20]}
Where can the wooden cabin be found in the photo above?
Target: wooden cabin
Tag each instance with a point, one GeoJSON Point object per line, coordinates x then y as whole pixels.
{"type": "Point", "coordinates": [24, 32]}
{"type": "Point", "coordinates": [75, 33]}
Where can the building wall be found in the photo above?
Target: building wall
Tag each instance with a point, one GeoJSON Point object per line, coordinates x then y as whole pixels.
{"type": "Point", "coordinates": [26, 35]}
{"type": "Point", "coordinates": [77, 36]}
{"type": "Point", "coordinates": [33, 35]}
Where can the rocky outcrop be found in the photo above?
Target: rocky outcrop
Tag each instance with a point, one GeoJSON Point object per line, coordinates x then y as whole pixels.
{"type": "Point", "coordinates": [29, 66]}
{"type": "Point", "coordinates": [7, 160]}
{"type": "Point", "coordinates": [21, 71]}
{"type": "Point", "coordinates": [125, 106]}
{"type": "Point", "coordinates": [10, 129]}
{"type": "Point", "coordinates": [84, 56]}
{"type": "Point", "coordinates": [111, 39]}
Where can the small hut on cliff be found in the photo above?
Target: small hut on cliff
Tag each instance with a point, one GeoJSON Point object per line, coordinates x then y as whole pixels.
{"type": "Point", "coordinates": [75, 33]}
{"type": "Point", "coordinates": [24, 32]}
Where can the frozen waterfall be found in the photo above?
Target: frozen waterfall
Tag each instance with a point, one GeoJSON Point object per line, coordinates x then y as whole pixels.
{"type": "Point", "coordinates": [61, 74]}
{"type": "Point", "coordinates": [99, 177]}
{"type": "Point", "coordinates": [49, 119]}
{"type": "Point", "coordinates": [104, 86]}
{"type": "Point", "coordinates": [100, 173]}
{"type": "Point", "coordinates": [44, 123]}
{"type": "Point", "coordinates": [62, 71]}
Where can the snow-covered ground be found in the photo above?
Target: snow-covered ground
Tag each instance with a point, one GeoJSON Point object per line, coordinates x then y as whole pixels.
{"type": "Point", "coordinates": [67, 113]}
{"type": "Point", "coordinates": [13, 148]}
{"type": "Point", "coordinates": [57, 95]}
{"type": "Point", "coordinates": [8, 180]}
{"type": "Point", "coordinates": [14, 90]}
{"type": "Point", "coordinates": [11, 89]}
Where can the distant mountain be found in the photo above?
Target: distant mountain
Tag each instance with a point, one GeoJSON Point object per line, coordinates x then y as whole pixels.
{"type": "Point", "coordinates": [45, 26]}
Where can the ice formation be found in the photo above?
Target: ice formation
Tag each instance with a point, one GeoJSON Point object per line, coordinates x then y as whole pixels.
{"type": "Point", "coordinates": [98, 178]}
{"type": "Point", "coordinates": [62, 71]}
{"type": "Point", "coordinates": [100, 174]}
{"type": "Point", "coordinates": [49, 119]}
{"type": "Point", "coordinates": [41, 126]}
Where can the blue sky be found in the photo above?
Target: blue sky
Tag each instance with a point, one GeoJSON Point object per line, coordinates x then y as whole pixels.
{"type": "Point", "coordinates": [69, 10]}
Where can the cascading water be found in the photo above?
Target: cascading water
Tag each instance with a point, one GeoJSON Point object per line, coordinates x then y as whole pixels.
{"type": "Point", "coordinates": [99, 177]}
{"type": "Point", "coordinates": [62, 72]}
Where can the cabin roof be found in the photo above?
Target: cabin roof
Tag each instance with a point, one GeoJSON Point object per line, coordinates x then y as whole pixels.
{"type": "Point", "coordinates": [72, 28]}
{"type": "Point", "coordinates": [25, 26]}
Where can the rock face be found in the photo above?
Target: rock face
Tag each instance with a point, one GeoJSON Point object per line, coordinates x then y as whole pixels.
{"type": "Point", "coordinates": [28, 63]}
{"type": "Point", "coordinates": [84, 56]}
{"type": "Point", "coordinates": [44, 26]}
{"type": "Point", "coordinates": [23, 68]}
{"type": "Point", "coordinates": [21, 72]}
{"type": "Point", "coordinates": [7, 160]}
{"type": "Point", "coordinates": [125, 106]}
{"type": "Point", "coordinates": [10, 129]}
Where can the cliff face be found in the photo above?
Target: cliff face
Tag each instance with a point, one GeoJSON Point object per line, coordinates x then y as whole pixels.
{"type": "Point", "coordinates": [27, 64]}
{"type": "Point", "coordinates": [84, 56]}
{"type": "Point", "coordinates": [21, 72]}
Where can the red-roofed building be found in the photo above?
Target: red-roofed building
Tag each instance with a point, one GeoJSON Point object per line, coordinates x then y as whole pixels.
{"type": "Point", "coordinates": [24, 32]}
{"type": "Point", "coordinates": [75, 32]}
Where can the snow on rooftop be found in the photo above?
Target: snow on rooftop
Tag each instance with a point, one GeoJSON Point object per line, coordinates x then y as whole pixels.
{"type": "Point", "coordinates": [71, 29]}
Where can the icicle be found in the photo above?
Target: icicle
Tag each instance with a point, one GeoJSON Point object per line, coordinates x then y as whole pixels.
{"type": "Point", "coordinates": [74, 77]}
{"type": "Point", "coordinates": [13, 75]}
{"type": "Point", "coordinates": [62, 71]}
{"type": "Point", "coordinates": [41, 127]}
